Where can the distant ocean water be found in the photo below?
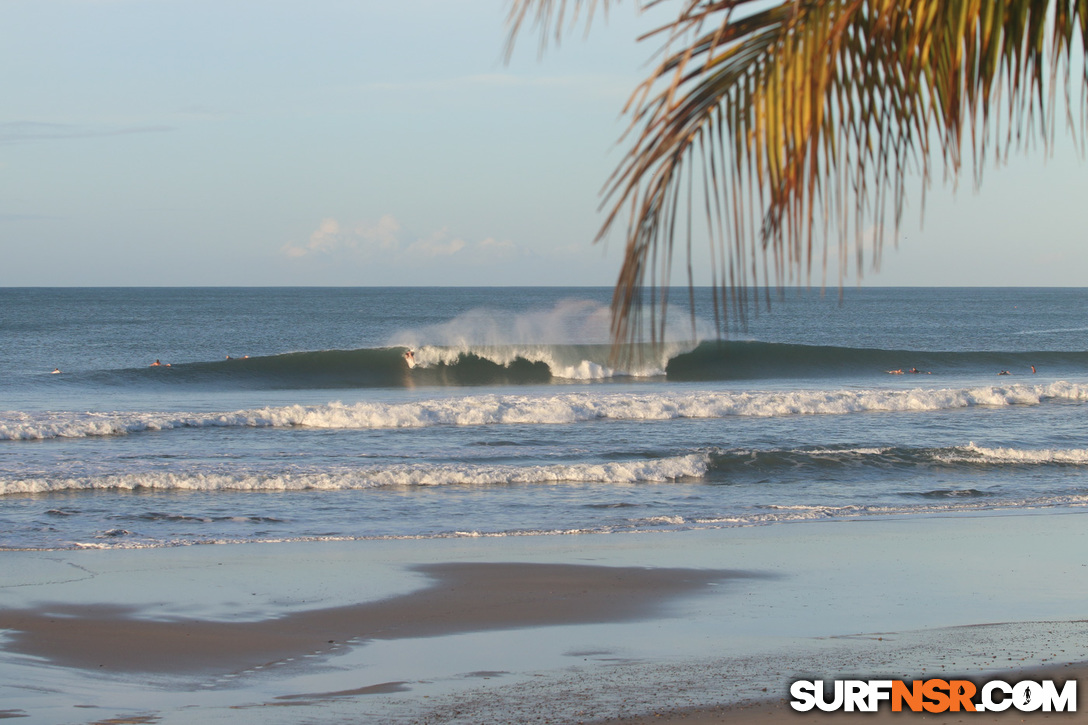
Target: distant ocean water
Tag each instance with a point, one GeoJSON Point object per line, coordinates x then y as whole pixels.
{"type": "Point", "coordinates": [291, 414]}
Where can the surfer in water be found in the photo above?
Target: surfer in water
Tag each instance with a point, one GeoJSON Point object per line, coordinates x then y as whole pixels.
{"type": "Point", "coordinates": [410, 358]}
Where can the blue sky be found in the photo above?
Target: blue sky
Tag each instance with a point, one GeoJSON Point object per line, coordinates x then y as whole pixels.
{"type": "Point", "coordinates": [368, 142]}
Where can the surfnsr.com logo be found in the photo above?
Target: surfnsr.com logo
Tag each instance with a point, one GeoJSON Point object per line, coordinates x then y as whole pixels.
{"type": "Point", "coordinates": [934, 696]}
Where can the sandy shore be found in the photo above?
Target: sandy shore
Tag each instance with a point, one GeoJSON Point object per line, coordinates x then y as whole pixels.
{"type": "Point", "coordinates": [699, 627]}
{"type": "Point", "coordinates": [778, 711]}
{"type": "Point", "coordinates": [461, 597]}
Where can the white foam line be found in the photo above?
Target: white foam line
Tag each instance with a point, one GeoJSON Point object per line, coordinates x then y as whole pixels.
{"type": "Point", "coordinates": [539, 410]}
{"type": "Point", "coordinates": [980, 454]}
{"type": "Point", "coordinates": [615, 472]}
{"type": "Point", "coordinates": [660, 524]}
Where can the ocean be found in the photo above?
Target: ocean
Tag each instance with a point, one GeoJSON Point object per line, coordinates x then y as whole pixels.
{"type": "Point", "coordinates": [291, 414]}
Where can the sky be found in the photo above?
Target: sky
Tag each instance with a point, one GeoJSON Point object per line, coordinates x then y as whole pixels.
{"type": "Point", "coordinates": [370, 142]}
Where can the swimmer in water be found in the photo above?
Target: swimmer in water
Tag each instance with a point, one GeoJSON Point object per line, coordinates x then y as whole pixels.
{"type": "Point", "coordinates": [1004, 372]}
{"type": "Point", "coordinates": [894, 372]}
{"type": "Point", "coordinates": [55, 371]}
{"type": "Point", "coordinates": [156, 364]}
{"type": "Point", "coordinates": [410, 358]}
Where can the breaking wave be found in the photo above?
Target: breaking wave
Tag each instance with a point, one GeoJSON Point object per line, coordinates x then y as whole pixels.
{"type": "Point", "coordinates": [538, 410]}
{"type": "Point", "coordinates": [807, 459]}
{"type": "Point", "coordinates": [615, 472]}
{"type": "Point", "coordinates": [715, 466]}
{"type": "Point", "coordinates": [534, 364]}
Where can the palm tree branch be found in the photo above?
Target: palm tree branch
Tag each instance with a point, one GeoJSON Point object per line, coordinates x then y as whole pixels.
{"type": "Point", "coordinates": [807, 117]}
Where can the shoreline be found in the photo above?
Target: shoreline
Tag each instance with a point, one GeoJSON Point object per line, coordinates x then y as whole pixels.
{"type": "Point", "coordinates": [519, 595]}
{"type": "Point", "coordinates": [776, 711]}
{"type": "Point", "coordinates": [611, 629]}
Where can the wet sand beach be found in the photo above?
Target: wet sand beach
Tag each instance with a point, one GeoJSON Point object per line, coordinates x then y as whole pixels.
{"type": "Point", "coordinates": [460, 597]}
{"type": "Point", "coordinates": [773, 711]}
{"type": "Point", "coordinates": [689, 627]}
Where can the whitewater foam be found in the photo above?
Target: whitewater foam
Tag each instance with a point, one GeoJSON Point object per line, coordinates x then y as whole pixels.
{"type": "Point", "coordinates": [953, 505]}
{"type": "Point", "coordinates": [761, 516]}
{"type": "Point", "coordinates": [581, 363]}
{"type": "Point", "coordinates": [981, 454]}
{"type": "Point", "coordinates": [614, 472]}
{"type": "Point", "coordinates": [571, 338]}
{"type": "Point", "coordinates": [971, 453]}
{"type": "Point", "coordinates": [693, 466]}
{"type": "Point", "coordinates": [537, 410]}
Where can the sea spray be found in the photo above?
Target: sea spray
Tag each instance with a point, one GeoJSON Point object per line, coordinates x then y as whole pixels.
{"type": "Point", "coordinates": [572, 339]}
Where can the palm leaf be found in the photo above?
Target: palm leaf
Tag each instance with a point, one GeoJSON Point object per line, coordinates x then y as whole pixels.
{"type": "Point", "coordinates": [796, 127]}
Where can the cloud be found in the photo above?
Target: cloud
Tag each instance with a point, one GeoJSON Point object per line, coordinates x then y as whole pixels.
{"type": "Point", "coordinates": [437, 245]}
{"type": "Point", "coordinates": [385, 234]}
{"type": "Point", "coordinates": [503, 248]}
{"type": "Point", "coordinates": [387, 242]}
{"type": "Point", "coordinates": [331, 238]}
{"type": "Point", "coordinates": [14, 132]}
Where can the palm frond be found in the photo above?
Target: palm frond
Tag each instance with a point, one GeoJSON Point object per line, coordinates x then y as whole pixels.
{"type": "Point", "coordinates": [550, 17]}
{"type": "Point", "coordinates": [795, 129]}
